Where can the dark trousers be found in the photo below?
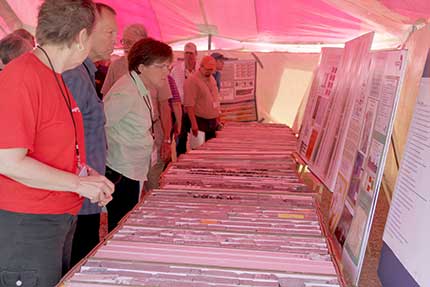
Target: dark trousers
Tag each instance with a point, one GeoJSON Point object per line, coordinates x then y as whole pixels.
{"type": "Point", "coordinates": [125, 197]}
{"type": "Point", "coordinates": [208, 126]}
{"type": "Point", "coordinates": [181, 146]}
{"type": "Point", "coordinates": [86, 236]}
{"type": "Point", "coordinates": [34, 248]}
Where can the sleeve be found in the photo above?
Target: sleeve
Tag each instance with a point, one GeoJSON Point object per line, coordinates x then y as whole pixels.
{"type": "Point", "coordinates": [190, 93]}
{"type": "Point", "coordinates": [18, 110]}
{"type": "Point", "coordinates": [117, 105]}
{"type": "Point", "coordinates": [109, 80]}
{"type": "Point", "coordinates": [164, 93]}
{"type": "Point", "coordinates": [174, 90]}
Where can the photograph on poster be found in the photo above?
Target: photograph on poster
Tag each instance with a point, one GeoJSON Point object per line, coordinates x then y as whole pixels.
{"type": "Point", "coordinates": [317, 105]}
{"type": "Point", "coordinates": [369, 183]}
{"type": "Point", "coordinates": [375, 153]}
{"type": "Point", "coordinates": [338, 201]}
{"type": "Point", "coordinates": [342, 229]}
{"type": "Point", "coordinates": [312, 140]}
{"type": "Point", "coordinates": [355, 236]}
{"type": "Point", "coordinates": [354, 183]}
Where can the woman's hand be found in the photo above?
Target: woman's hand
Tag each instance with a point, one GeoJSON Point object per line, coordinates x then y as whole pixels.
{"type": "Point", "coordinates": [95, 187]}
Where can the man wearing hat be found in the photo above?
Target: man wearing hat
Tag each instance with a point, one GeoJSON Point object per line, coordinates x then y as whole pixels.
{"type": "Point", "coordinates": [201, 99]}
{"type": "Point", "coordinates": [219, 58]}
{"type": "Point", "coordinates": [180, 72]}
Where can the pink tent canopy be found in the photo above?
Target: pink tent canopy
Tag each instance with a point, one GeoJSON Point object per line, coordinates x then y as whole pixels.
{"type": "Point", "coordinates": [250, 24]}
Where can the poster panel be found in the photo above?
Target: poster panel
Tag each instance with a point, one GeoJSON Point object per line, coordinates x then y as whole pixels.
{"type": "Point", "coordinates": [319, 103]}
{"type": "Point", "coordinates": [237, 93]}
{"type": "Point", "coordinates": [353, 71]}
{"type": "Point", "coordinates": [363, 158]}
{"type": "Point", "coordinates": [406, 236]}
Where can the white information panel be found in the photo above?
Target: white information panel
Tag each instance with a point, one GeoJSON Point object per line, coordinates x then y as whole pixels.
{"type": "Point", "coordinates": [407, 231]}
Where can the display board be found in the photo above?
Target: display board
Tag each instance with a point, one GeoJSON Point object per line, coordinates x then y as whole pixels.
{"type": "Point", "coordinates": [353, 71]}
{"type": "Point", "coordinates": [238, 85]}
{"type": "Point", "coordinates": [406, 234]}
{"type": "Point", "coordinates": [363, 157]}
{"type": "Point", "coordinates": [320, 101]}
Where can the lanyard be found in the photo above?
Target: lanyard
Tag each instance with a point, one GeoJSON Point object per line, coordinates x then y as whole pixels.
{"type": "Point", "coordinates": [147, 103]}
{"type": "Point", "coordinates": [68, 103]}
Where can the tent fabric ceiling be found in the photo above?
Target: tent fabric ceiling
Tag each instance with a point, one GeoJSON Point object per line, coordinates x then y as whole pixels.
{"type": "Point", "coordinates": [254, 21]}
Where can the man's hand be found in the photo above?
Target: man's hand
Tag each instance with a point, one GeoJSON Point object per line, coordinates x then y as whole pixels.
{"type": "Point", "coordinates": [195, 129]}
{"type": "Point", "coordinates": [166, 151]}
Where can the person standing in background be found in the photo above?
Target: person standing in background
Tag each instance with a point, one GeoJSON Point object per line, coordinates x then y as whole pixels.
{"type": "Point", "coordinates": [13, 46]}
{"type": "Point", "coordinates": [202, 99]}
{"type": "Point", "coordinates": [130, 125]}
{"type": "Point", "coordinates": [180, 72]}
{"type": "Point", "coordinates": [119, 67]}
{"type": "Point", "coordinates": [81, 82]}
{"type": "Point", "coordinates": [25, 35]}
{"type": "Point", "coordinates": [219, 58]}
{"type": "Point", "coordinates": [43, 171]}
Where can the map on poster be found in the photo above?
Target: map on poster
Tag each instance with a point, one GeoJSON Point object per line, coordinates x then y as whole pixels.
{"type": "Point", "coordinates": [319, 104]}
{"type": "Point", "coordinates": [363, 158]}
{"type": "Point", "coordinates": [238, 86]}
{"type": "Point", "coordinates": [407, 232]}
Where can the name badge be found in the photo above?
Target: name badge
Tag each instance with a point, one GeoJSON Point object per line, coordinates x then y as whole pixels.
{"type": "Point", "coordinates": [82, 171]}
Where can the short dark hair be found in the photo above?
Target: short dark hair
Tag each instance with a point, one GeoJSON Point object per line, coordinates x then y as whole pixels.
{"type": "Point", "coordinates": [60, 21]}
{"type": "Point", "coordinates": [24, 34]}
{"type": "Point", "coordinates": [13, 46]}
{"type": "Point", "coordinates": [147, 52]}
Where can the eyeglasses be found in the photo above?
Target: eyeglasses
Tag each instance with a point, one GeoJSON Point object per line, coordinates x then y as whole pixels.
{"type": "Point", "coordinates": [163, 66]}
{"type": "Point", "coordinates": [126, 42]}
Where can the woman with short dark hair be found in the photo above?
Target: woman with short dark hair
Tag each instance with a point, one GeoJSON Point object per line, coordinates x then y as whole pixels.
{"type": "Point", "coordinates": [129, 123]}
{"type": "Point", "coordinates": [43, 172]}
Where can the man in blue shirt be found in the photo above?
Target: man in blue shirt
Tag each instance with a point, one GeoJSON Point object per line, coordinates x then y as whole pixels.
{"type": "Point", "coordinates": [219, 58]}
{"type": "Point", "coordinates": [81, 83]}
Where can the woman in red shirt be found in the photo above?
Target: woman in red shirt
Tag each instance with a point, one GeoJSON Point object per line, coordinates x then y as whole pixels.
{"type": "Point", "coordinates": [43, 173]}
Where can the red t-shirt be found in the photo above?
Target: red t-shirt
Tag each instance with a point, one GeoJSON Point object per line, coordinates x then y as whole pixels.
{"type": "Point", "coordinates": [35, 116]}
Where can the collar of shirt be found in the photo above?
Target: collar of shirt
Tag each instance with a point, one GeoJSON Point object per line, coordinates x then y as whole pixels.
{"type": "Point", "coordinates": [92, 69]}
{"type": "Point", "coordinates": [143, 91]}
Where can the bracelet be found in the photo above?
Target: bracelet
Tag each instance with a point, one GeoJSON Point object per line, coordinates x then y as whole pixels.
{"type": "Point", "coordinates": [168, 141]}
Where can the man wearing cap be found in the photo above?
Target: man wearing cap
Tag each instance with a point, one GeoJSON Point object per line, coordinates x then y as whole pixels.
{"type": "Point", "coordinates": [201, 99]}
{"type": "Point", "coordinates": [219, 58]}
{"type": "Point", "coordinates": [181, 71]}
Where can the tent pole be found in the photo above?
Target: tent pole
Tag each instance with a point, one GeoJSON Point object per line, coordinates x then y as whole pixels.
{"type": "Point", "coordinates": [209, 42]}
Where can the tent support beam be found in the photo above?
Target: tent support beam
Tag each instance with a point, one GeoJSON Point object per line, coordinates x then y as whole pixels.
{"type": "Point", "coordinates": [11, 20]}
{"type": "Point", "coordinates": [209, 42]}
